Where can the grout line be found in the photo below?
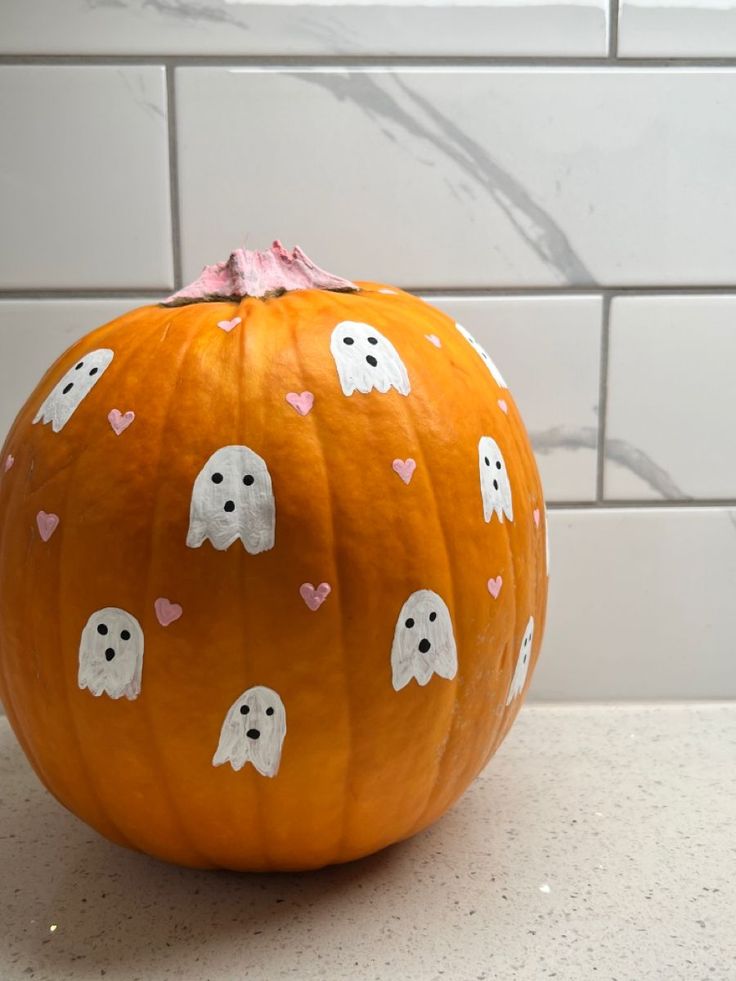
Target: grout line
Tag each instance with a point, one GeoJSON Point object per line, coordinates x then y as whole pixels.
{"type": "Point", "coordinates": [605, 336]}
{"type": "Point", "coordinates": [651, 504]}
{"type": "Point", "coordinates": [613, 19]}
{"type": "Point", "coordinates": [173, 177]}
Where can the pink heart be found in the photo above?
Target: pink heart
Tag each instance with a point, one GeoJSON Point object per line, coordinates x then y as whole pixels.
{"type": "Point", "coordinates": [47, 524]}
{"type": "Point", "coordinates": [494, 586]}
{"type": "Point", "coordinates": [119, 420]}
{"type": "Point", "coordinates": [9, 461]}
{"type": "Point", "coordinates": [302, 403]}
{"type": "Point", "coordinates": [166, 612]}
{"type": "Point", "coordinates": [228, 325]}
{"type": "Point", "coordinates": [434, 339]}
{"type": "Point", "coordinates": [405, 468]}
{"type": "Point", "coordinates": [502, 405]}
{"type": "Point", "coordinates": [314, 598]}
{"type": "Point", "coordinates": [536, 517]}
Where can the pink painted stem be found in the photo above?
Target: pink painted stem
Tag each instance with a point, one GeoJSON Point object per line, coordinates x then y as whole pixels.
{"type": "Point", "coordinates": [251, 273]}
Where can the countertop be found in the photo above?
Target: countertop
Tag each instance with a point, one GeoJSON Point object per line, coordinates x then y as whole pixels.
{"type": "Point", "coordinates": [599, 844]}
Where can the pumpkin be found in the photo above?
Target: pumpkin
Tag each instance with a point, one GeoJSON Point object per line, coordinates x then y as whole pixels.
{"type": "Point", "coordinates": [272, 569]}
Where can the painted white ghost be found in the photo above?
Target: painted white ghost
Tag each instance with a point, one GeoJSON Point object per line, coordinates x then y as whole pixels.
{"type": "Point", "coordinates": [522, 663]}
{"type": "Point", "coordinates": [424, 641]}
{"type": "Point", "coordinates": [233, 498]}
{"type": "Point", "coordinates": [484, 356]}
{"type": "Point", "coordinates": [63, 400]}
{"type": "Point", "coordinates": [111, 654]}
{"type": "Point", "coordinates": [495, 487]}
{"type": "Point", "coordinates": [253, 732]}
{"type": "Point", "coordinates": [365, 360]}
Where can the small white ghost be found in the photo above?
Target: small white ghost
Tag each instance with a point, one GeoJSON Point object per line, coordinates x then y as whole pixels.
{"type": "Point", "coordinates": [66, 396]}
{"type": "Point", "coordinates": [424, 641]}
{"type": "Point", "coordinates": [111, 654]}
{"type": "Point", "coordinates": [484, 356]}
{"type": "Point", "coordinates": [253, 732]}
{"type": "Point", "coordinates": [522, 663]}
{"type": "Point", "coordinates": [233, 498]}
{"type": "Point", "coordinates": [365, 360]}
{"type": "Point", "coordinates": [495, 487]}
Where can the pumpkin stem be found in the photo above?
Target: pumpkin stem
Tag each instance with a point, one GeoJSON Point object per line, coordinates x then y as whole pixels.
{"type": "Point", "coordinates": [259, 274]}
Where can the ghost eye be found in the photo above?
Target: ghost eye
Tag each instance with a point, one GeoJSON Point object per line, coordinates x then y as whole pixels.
{"type": "Point", "coordinates": [125, 635]}
{"type": "Point", "coordinates": [486, 461]}
{"type": "Point", "coordinates": [498, 465]}
{"type": "Point", "coordinates": [94, 371]}
{"type": "Point", "coordinates": [248, 479]}
{"type": "Point", "coordinates": [244, 710]}
{"type": "Point", "coordinates": [102, 628]}
{"type": "Point", "coordinates": [432, 616]}
{"type": "Point", "coordinates": [409, 623]}
{"type": "Point", "coordinates": [373, 340]}
{"type": "Point", "coordinates": [80, 365]}
{"type": "Point", "coordinates": [495, 485]}
{"type": "Point", "coordinates": [348, 340]}
{"type": "Point", "coordinates": [67, 388]}
{"type": "Point", "coordinates": [269, 710]}
{"type": "Point", "coordinates": [216, 478]}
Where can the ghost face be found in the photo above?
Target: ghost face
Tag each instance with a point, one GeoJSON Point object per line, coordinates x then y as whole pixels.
{"type": "Point", "coordinates": [495, 487]}
{"type": "Point", "coordinates": [233, 498]}
{"type": "Point", "coordinates": [111, 654]}
{"type": "Point", "coordinates": [522, 663]}
{"type": "Point", "coordinates": [65, 398]}
{"type": "Point", "coordinates": [253, 732]}
{"type": "Point", "coordinates": [484, 356]}
{"type": "Point", "coordinates": [366, 360]}
{"type": "Point", "coordinates": [424, 642]}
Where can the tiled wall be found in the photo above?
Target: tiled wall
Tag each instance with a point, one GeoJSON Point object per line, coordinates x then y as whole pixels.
{"type": "Point", "coordinates": [559, 176]}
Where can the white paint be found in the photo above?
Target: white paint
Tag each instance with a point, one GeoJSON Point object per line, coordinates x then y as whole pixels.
{"type": "Point", "coordinates": [253, 732]}
{"type": "Point", "coordinates": [111, 654]}
{"type": "Point", "coordinates": [366, 360]}
{"type": "Point", "coordinates": [424, 641]}
{"type": "Point", "coordinates": [522, 663]}
{"type": "Point", "coordinates": [66, 396]}
{"type": "Point", "coordinates": [233, 498]}
{"type": "Point", "coordinates": [495, 486]}
{"type": "Point", "coordinates": [484, 356]}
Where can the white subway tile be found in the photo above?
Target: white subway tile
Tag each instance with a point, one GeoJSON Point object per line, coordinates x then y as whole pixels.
{"type": "Point", "coordinates": [677, 28]}
{"type": "Point", "coordinates": [671, 398]}
{"type": "Point", "coordinates": [548, 350]}
{"type": "Point", "coordinates": [33, 333]}
{"type": "Point", "coordinates": [84, 194]}
{"type": "Point", "coordinates": [465, 177]}
{"type": "Point", "coordinates": [641, 605]}
{"type": "Point", "coordinates": [285, 27]}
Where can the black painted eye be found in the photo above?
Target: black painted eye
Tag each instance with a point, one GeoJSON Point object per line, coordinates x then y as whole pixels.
{"type": "Point", "coordinates": [409, 623]}
{"type": "Point", "coordinates": [94, 371]}
{"type": "Point", "coordinates": [269, 710]}
{"type": "Point", "coordinates": [248, 480]}
{"type": "Point", "coordinates": [373, 340]}
{"type": "Point", "coordinates": [348, 340]}
{"type": "Point", "coordinates": [432, 616]}
{"type": "Point", "coordinates": [80, 365]}
{"type": "Point", "coordinates": [371, 360]}
{"type": "Point", "coordinates": [498, 465]}
{"type": "Point", "coordinates": [244, 710]}
{"type": "Point", "coordinates": [109, 654]}
{"type": "Point", "coordinates": [486, 461]}
{"type": "Point", "coordinates": [495, 485]}
{"type": "Point", "coordinates": [67, 388]}
{"type": "Point", "coordinates": [125, 635]}
{"type": "Point", "coordinates": [216, 478]}
{"type": "Point", "coordinates": [102, 629]}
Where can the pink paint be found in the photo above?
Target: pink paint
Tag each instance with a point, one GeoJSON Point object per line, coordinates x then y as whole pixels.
{"type": "Point", "coordinates": [47, 524]}
{"type": "Point", "coordinates": [228, 325]}
{"type": "Point", "coordinates": [503, 405]}
{"type": "Point", "coordinates": [494, 586]}
{"type": "Point", "coordinates": [434, 339]}
{"type": "Point", "coordinates": [120, 420]}
{"type": "Point", "coordinates": [9, 461]}
{"type": "Point", "coordinates": [166, 612]}
{"type": "Point", "coordinates": [405, 468]}
{"type": "Point", "coordinates": [251, 273]}
{"type": "Point", "coordinates": [536, 517]}
{"type": "Point", "coordinates": [302, 402]}
{"type": "Point", "coordinates": [314, 597]}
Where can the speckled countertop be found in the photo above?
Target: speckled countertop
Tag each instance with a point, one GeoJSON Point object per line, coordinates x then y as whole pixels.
{"type": "Point", "coordinates": [600, 844]}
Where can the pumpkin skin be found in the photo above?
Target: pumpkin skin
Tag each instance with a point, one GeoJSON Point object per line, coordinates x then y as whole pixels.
{"type": "Point", "coordinates": [362, 764]}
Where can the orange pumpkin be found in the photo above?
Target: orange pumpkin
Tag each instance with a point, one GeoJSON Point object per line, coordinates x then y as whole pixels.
{"type": "Point", "coordinates": [272, 569]}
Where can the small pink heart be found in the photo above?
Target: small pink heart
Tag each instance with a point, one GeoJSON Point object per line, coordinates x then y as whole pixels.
{"type": "Point", "coordinates": [301, 402]}
{"type": "Point", "coordinates": [536, 517]}
{"type": "Point", "coordinates": [9, 461]}
{"type": "Point", "coordinates": [503, 405]}
{"type": "Point", "coordinates": [314, 598]}
{"type": "Point", "coordinates": [405, 468]}
{"type": "Point", "coordinates": [228, 325]}
{"type": "Point", "coordinates": [166, 612]}
{"type": "Point", "coordinates": [47, 524]}
{"type": "Point", "coordinates": [434, 339]}
{"type": "Point", "coordinates": [120, 420]}
{"type": "Point", "coordinates": [494, 586]}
